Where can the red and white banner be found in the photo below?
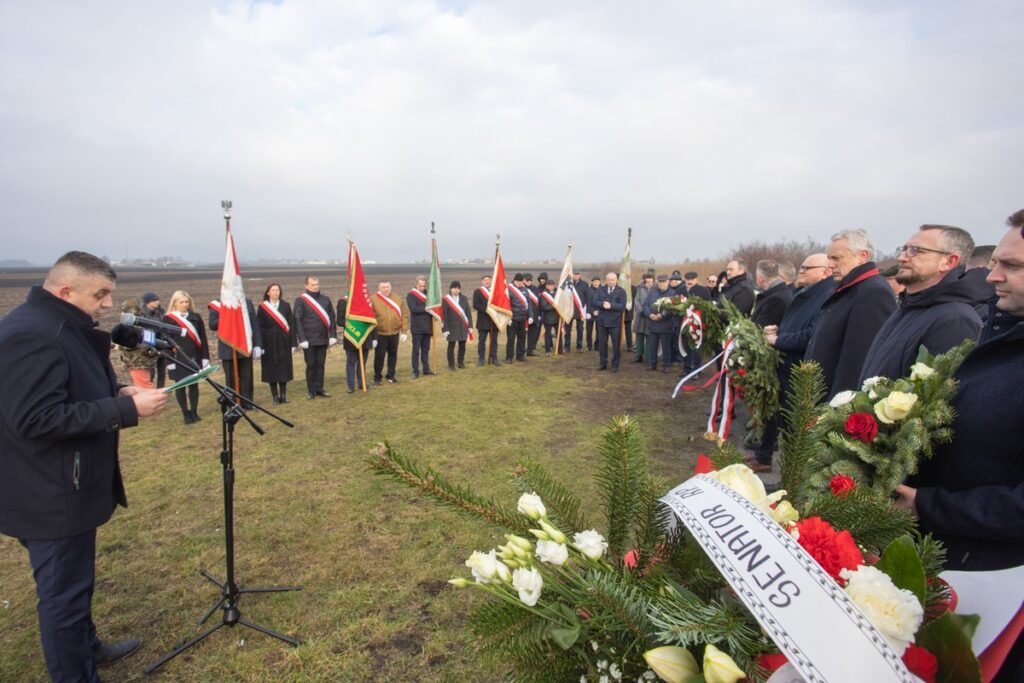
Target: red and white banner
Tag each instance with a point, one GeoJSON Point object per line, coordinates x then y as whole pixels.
{"type": "Point", "coordinates": [234, 327]}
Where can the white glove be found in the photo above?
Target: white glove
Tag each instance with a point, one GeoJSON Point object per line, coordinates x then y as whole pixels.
{"type": "Point", "coordinates": [332, 341]}
{"type": "Point", "coordinates": [588, 316]}
{"type": "Point", "coordinates": [295, 349]}
{"type": "Point", "coordinates": [172, 366]}
{"type": "Point", "coordinates": [304, 344]}
{"type": "Point", "coordinates": [206, 363]}
{"type": "Point", "coordinates": [257, 353]}
{"type": "Point", "coordinates": [402, 338]}
{"type": "Point", "coordinates": [446, 334]}
{"type": "Point", "coordinates": [530, 321]}
{"type": "Point", "coordinates": [374, 344]}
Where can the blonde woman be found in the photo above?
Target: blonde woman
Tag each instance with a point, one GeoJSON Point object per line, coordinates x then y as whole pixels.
{"type": "Point", "coordinates": [192, 349]}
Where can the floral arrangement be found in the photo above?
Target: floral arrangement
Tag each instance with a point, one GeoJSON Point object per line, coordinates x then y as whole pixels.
{"type": "Point", "coordinates": [642, 602]}
{"type": "Point", "coordinates": [752, 365]}
{"type": "Point", "coordinates": [701, 319]}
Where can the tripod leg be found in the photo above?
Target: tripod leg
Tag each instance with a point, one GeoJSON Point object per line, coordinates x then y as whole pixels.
{"type": "Point", "coordinates": [217, 605]}
{"type": "Point", "coordinates": [178, 650]}
{"type": "Point", "coordinates": [209, 577]}
{"type": "Point", "coordinates": [269, 632]}
{"type": "Point", "coordinates": [270, 589]}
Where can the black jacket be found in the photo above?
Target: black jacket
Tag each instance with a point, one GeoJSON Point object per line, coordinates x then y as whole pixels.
{"type": "Point", "coordinates": [772, 304]}
{"type": "Point", "coordinates": [970, 494]}
{"type": "Point", "coordinates": [699, 291]}
{"type": "Point", "coordinates": [223, 350]}
{"type": "Point", "coordinates": [740, 292]}
{"type": "Point", "coordinates": [522, 308]}
{"type": "Point", "coordinates": [983, 289]}
{"type": "Point", "coordinates": [309, 326]}
{"type": "Point", "coordinates": [938, 318]}
{"type": "Point", "coordinates": [850, 319]}
{"type": "Point", "coordinates": [548, 312]}
{"type": "Point", "coordinates": [60, 416]}
{"type": "Point", "coordinates": [187, 349]}
{"type": "Point", "coordinates": [483, 320]}
{"type": "Point", "coordinates": [611, 317]}
{"type": "Point", "coordinates": [452, 322]}
{"type": "Point", "coordinates": [420, 322]}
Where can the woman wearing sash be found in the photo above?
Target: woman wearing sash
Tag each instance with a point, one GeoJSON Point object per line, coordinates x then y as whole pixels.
{"type": "Point", "coordinates": [455, 323]}
{"type": "Point", "coordinates": [279, 341]}
{"type": "Point", "coordinates": [192, 347]}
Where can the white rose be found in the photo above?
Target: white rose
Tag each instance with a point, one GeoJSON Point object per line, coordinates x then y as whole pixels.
{"type": "Point", "coordinates": [590, 543]}
{"type": "Point", "coordinates": [531, 505]}
{"type": "Point", "coordinates": [841, 399]}
{"type": "Point", "coordinates": [869, 386]}
{"type": "Point", "coordinates": [529, 584]}
{"type": "Point", "coordinates": [484, 566]}
{"type": "Point", "coordinates": [920, 371]}
{"type": "Point", "coordinates": [743, 481]}
{"type": "Point", "coordinates": [895, 612]}
{"type": "Point", "coordinates": [895, 406]}
{"type": "Point", "coordinates": [552, 553]}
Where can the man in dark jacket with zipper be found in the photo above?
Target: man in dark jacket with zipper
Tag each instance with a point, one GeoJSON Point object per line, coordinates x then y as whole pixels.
{"type": "Point", "coordinates": [317, 331]}
{"type": "Point", "coordinates": [738, 289]}
{"type": "Point", "coordinates": [936, 308]}
{"type": "Point", "coordinates": [485, 327]}
{"type": "Point", "coordinates": [775, 295]}
{"type": "Point", "coordinates": [853, 314]}
{"type": "Point", "coordinates": [60, 415]}
{"type": "Point", "coordinates": [421, 327]}
{"type": "Point", "coordinates": [970, 494]}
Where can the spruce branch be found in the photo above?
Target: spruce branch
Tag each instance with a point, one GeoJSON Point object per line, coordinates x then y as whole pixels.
{"type": "Point", "coordinates": [798, 438]}
{"type": "Point", "coordinates": [621, 478]}
{"type": "Point", "coordinates": [562, 504]}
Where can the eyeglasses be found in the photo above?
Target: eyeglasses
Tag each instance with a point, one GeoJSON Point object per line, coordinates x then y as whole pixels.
{"type": "Point", "coordinates": [803, 268]}
{"type": "Point", "coordinates": [912, 250]}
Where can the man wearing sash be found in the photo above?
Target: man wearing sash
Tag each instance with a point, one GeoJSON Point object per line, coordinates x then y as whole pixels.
{"type": "Point", "coordinates": [533, 294]}
{"type": "Point", "coordinates": [609, 304]}
{"type": "Point", "coordinates": [549, 316]}
{"type": "Point", "coordinates": [421, 326]}
{"type": "Point", "coordinates": [485, 327]}
{"type": "Point", "coordinates": [515, 347]}
{"type": "Point", "coordinates": [579, 314]}
{"type": "Point", "coordinates": [316, 330]}
{"type": "Point", "coordinates": [455, 323]}
{"type": "Point", "coordinates": [392, 324]}
{"type": "Point", "coordinates": [595, 285]}
{"type": "Point", "coordinates": [224, 352]}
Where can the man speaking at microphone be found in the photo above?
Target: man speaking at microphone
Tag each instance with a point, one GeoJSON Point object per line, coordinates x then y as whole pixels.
{"type": "Point", "coordinates": [61, 409]}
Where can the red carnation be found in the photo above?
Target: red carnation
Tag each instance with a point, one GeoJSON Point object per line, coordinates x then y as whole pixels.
{"type": "Point", "coordinates": [841, 484]}
{"type": "Point", "coordinates": [741, 372]}
{"type": "Point", "coordinates": [833, 550]}
{"type": "Point", "coordinates": [771, 661]}
{"type": "Point", "coordinates": [921, 663]}
{"type": "Point", "coordinates": [862, 426]}
{"type": "Point", "coordinates": [704, 465]}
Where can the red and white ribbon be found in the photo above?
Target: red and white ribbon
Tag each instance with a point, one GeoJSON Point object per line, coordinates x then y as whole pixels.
{"type": "Point", "coordinates": [189, 327]}
{"type": "Point", "coordinates": [724, 396]}
{"type": "Point", "coordinates": [453, 304]}
{"type": "Point", "coordinates": [693, 324]}
{"type": "Point", "coordinates": [390, 302]}
{"type": "Point", "coordinates": [275, 315]}
{"type": "Point", "coordinates": [318, 309]}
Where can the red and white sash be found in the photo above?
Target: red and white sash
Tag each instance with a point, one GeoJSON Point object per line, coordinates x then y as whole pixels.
{"type": "Point", "coordinates": [318, 309]}
{"type": "Point", "coordinates": [418, 294]}
{"type": "Point", "coordinates": [486, 291]}
{"type": "Point", "coordinates": [453, 304]}
{"type": "Point", "coordinates": [189, 327]}
{"type": "Point", "coordinates": [533, 297]}
{"type": "Point", "coordinates": [550, 299]}
{"type": "Point", "coordinates": [579, 302]}
{"type": "Point", "coordinates": [276, 316]}
{"type": "Point", "coordinates": [388, 300]}
{"type": "Point", "coordinates": [214, 305]}
{"type": "Point", "coordinates": [522, 300]}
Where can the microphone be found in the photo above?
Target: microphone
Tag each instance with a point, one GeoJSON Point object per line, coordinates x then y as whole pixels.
{"type": "Point", "coordinates": [149, 323]}
{"type": "Point", "coordinates": [134, 337]}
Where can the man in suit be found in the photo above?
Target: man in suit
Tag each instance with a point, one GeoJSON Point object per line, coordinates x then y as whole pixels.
{"type": "Point", "coordinates": [317, 330]}
{"type": "Point", "coordinates": [455, 319]}
{"type": "Point", "coordinates": [533, 295]}
{"type": "Point", "coordinates": [224, 352]}
{"type": "Point", "coordinates": [485, 327]}
{"type": "Point", "coordinates": [421, 326]}
{"type": "Point", "coordinates": [609, 304]}
{"type": "Point", "coordinates": [61, 412]}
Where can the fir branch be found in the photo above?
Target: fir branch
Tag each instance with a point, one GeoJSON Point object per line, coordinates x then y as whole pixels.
{"type": "Point", "coordinates": [654, 519]}
{"type": "Point", "coordinates": [384, 460]}
{"type": "Point", "coordinates": [726, 454]}
{"type": "Point", "coordinates": [614, 605]}
{"type": "Point", "coordinates": [517, 640]}
{"type": "Point", "coordinates": [621, 478]}
{"type": "Point", "coordinates": [797, 441]}
{"type": "Point", "coordinates": [869, 517]}
{"type": "Point", "coordinates": [562, 505]}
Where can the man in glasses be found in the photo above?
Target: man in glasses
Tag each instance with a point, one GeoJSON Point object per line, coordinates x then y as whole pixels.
{"type": "Point", "coordinates": [936, 309]}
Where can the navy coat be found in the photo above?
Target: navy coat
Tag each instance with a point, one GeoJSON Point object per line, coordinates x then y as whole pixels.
{"type": "Point", "coordinates": [60, 416]}
{"type": "Point", "coordinates": [740, 292]}
{"type": "Point", "coordinates": [797, 325]}
{"type": "Point", "coordinates": [611, 317]}
{"type": "Point", "coordinates": [420, 322]}
{"type": "Point", "coordinates": [850, 319]}
{"type": "Point", "coordinates": [970, 494]}
{"type": "Point", "coordinates": [772, 304]}
{"type": "Point", "coordinates": [667, 323]}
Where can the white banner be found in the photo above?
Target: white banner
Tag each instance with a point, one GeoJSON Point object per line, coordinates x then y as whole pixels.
{"type": "Point", "coordinates": [802, 609]}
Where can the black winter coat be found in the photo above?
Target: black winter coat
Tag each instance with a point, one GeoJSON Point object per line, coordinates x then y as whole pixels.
{"type": "Point", "coordinates": [483, 320]}
{"type": "Point", "coordinates": [740, 292]}
{"type": "Point", "coordinates": [309, 326]}
{"type": "Point", "coordinates": [937, 318]}
{"type": "Point", "coordinates": [771, 306]}
{"type": "Point", "coordinates": [188, 349]}
{"type": "Point", "coordinates": [984, 290]}
{"type": "Point", "coordinates": [276, 363]}
{"type": "Point", "coordinates": [850, 319]}
{"type": "Point", "coordinates": [420, 322]}
{"type": "Point", "coordinates": [970, 494]}
{"type": "Point", "coordinates": [452, 322]}
{"type": "Point", "coordinates": [548, 312]}
{"type": "Point", "coordinates": [699, 291]}
{"type": "Point", "coordinates": [610, 317]}
{"type": "Point", "coordinates": [797, 325]}
{"type": "Point", "coordinates": [60, 416]}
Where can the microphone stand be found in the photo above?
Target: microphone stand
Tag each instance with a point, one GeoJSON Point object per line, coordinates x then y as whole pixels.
{"type": "Point", "coordinates": [230, 592]}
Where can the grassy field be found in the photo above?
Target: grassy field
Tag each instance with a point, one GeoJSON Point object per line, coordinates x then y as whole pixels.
{"type": "Point", "coordinates": [373, 556]}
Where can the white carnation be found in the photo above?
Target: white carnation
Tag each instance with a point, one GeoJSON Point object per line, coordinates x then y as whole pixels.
{"type": "Point", "coordinates": [590, 543]}
{"type": "Point", "coordinates": [531, 505]}
{"type": "Point", "coordinates": [869, 386]}
{"type": "Point", "coordinates": [529, 584]}
{"type": "Point", "coordinates": [841, 399]}
{"type": "Point", "coordinates": [552, 553]}
{"type": "Point", "coordinates": [895, 612]}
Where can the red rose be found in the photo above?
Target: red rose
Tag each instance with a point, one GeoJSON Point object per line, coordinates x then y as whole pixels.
{"type": "Point", "coordinates": [921, 663]}
{"type": "Point", "coordinates": [741, 372]}
{"type": "Point", "coordinates": [833, 550]}
{"type": "Point", "coordinates": [704, 465]}
{"type": "Point", "coordinates": [841, 484]}
{"type": "Point", "coordinates": [862, 426]}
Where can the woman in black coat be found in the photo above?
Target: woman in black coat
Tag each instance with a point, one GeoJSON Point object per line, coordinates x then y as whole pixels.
{"type": "Point", "coordinates": [192, 347]}
{"type": "Point", "coordinates": [278, 329]}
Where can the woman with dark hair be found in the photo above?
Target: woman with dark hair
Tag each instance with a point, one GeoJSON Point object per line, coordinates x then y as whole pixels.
{"type": "Point", "coordinates": [279, 341]}
{"type": "Point", "coordinates": [191, 347]}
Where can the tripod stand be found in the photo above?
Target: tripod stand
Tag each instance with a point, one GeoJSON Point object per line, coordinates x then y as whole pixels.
{"type": "Point", "coordinates": [230, 592]}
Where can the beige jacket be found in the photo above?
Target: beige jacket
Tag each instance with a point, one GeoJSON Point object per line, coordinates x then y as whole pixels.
{"type": "Point", "coordinates": [388, 322]}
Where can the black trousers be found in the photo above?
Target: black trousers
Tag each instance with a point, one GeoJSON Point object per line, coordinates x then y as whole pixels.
{"type": "Point", "coordinates": [533, 336]}
{"type": "Point", "coordinates": [692, 359]}
{"type": "Point", "coordinates": [578, 324]}
{"type": "Point", "coordinates": [629, 334]}
{"type": "Point", "coordinates": [244, 375]}
{"type": "Point", "coordinates": [316, 357]}
{"type": "Point", "coordinates": [420, 352]}
{"type": "Point", "coordinates": [159, 373]}
{"type": "Point", "coordinates": [606, 336]}
{"type": "Point", "coordinates": [662, 340]}
{"type": "Point", "coordinates": [676, 355]}
{"type": "Point", "coordinates": [516, 344]}
{"type": "Point", "coordinates": [482, 336]}
{"type": "Point", "coordinates": [188, 398]}
{"type": "Point", "coordinates": [641, 345]}
{"type": "Point", "coordinates": [451, 353]}
{"type": "Point", "coordinates": [591, 323]}
{"type": "Point", "coordinates": [354, 370]}
{"type": "Point", "coordinates": [65, 574]}
{"type": "Point", "coordinates": [550, 332]}
{"type": "Point", "coordinates": [387, 346]}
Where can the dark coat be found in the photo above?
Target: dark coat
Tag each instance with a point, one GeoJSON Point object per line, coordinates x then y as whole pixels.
{"type": "Point", "coordinates": [640, 320]}
{"type": "Point", "coordinates": [797, 325]}
{"type": "Point", "coordinates": [223, 350]}
{"type": "Point", "coordinates": [667, 323]}
{"type": "Point", "coordinates": [60, 416]}
{"type": "Point", "coordinates": [699, 291]}
{"type": "Point", "coordinates": [420, 322]}
{"type": "Point", "coordinates": [309, 326]}
{"type": "Point", "coordinates": [521, 306]}
{"type": "Point", "coordinates": [771, 306]}
{"type": "Point", "coordinates": [984, 290]}
{"type": "Point", "coordinates": [970, 494]}
{"type": "Point", "coordinates": [276, 363]}
{"type": "Point", "coordinates": [548, 312]}
{"type": "Point", "coordinates": [580, 287]}
{"type": "Point", "coordinates": [850, 319]}
{"type": "Point", "coordinates": [187, 347]}
{"type": "Point", "coordinates": [483, 320]}
{"type": "Point", "coordinates": [612, 317]}
{"type": "Point", "coordinates": [937, 318]}
{"type": "Point", "coordinates": [740, 292]}
{"type": "Point", "coordinates": [451, 321]}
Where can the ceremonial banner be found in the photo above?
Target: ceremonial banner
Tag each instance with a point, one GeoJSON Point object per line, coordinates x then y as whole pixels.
{"type": "Point", "coordinates": [234, 327]}
{"type": "Point", "coordinates": [434, 282]}
{"type": "Point", "coordinates": [564, 301]}
{"type": "Point", "coordinates": [499, 306]}
{"type": "Point", "coordinates": [803, 610]}
{"type": "Point", "coordinates": [625, 278]}
{"type": "Point", "coordinates": [359, 317]}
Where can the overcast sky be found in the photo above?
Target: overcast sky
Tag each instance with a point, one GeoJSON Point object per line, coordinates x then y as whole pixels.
{"type": "Point", "coordinates": [700, 124]}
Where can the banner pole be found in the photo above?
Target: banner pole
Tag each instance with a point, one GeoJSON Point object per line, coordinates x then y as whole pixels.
{"type": "Point", "coordinates": [362, 368]}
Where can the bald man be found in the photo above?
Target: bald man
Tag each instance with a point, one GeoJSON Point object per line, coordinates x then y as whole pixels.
{"type": "Point", "coordinates": [61, 411]}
